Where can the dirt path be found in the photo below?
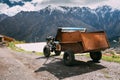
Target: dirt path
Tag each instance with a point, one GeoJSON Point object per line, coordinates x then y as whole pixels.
{"type": "Point", "coordinates": [21, 66]}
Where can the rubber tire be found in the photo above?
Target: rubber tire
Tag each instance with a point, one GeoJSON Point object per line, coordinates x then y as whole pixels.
{"type": "Point", "coordinates": [46, 51]}
{"type": "Point", "coordinates": [96, 56]}
{"type": "Point", "coordinates": [68, 58]}
{"type": "Point", "coordinates": [57, 53]}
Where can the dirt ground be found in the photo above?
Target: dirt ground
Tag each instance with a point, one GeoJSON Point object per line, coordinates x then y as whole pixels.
{"type": "Point", "coordinates": [22, 66]}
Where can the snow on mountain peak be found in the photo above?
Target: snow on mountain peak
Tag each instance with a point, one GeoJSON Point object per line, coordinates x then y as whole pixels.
{"type": "Point", "coordinates": [64, 9]}
{"type": "Point", "coordinates": [53, 7]}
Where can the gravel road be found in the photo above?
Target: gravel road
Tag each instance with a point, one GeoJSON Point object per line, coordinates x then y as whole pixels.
{"type": "Point", "coordinates": [23, 66]}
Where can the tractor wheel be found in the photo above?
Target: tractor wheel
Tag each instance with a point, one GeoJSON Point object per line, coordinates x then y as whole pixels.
{"type": "Point", "coordinates": [57, 53]}
{"type": "Point", "coordinates": [46, 51]}
{"type": "Point", "coordinates": [68, 58]}
{"type": "Point", "coordinates": [96, 56]}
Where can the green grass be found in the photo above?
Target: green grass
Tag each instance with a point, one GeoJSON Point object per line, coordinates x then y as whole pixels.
{"type": "Point", "coordinates": [12, 46]}
{"type": "Point", "coordinates": [113, 58]}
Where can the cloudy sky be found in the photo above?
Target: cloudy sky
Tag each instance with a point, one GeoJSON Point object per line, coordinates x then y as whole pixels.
{"type": "Point", "coordinates": [11, 7]}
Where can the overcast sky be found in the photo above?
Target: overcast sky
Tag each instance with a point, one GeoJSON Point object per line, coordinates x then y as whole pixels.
{"type": "Point", "coordinates": [11, 7]}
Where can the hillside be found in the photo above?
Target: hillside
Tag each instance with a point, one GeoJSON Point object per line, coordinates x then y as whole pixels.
{"type": "Point", "coordinates": [36, 25]}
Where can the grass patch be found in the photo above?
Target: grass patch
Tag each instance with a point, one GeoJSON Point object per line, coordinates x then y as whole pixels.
{"type": "Point", "coordinates": [113, 58]}
{"type": "Point", "coordinates": [12, 46]}
{"type": "Point", "coordinates": [39, 53]}
{"type": "Point", "coordinates": [107, 76]}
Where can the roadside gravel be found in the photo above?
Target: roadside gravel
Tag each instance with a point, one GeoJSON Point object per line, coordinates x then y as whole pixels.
{"type": "Point", "coordinates": [24, 66]}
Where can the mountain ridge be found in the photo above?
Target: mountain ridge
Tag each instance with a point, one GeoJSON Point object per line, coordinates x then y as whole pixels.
{"type": "Point", "coordinates": [37, 24]}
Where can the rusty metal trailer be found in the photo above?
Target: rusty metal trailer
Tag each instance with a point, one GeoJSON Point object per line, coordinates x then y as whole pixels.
{"type": "Point", "coordinates": [4, 39]}
{"type": "Point", "coordinates": [76, 40]}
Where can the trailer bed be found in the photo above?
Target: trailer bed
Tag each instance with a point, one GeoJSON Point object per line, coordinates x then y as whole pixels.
{"type": "Point", "coordinates": [83, 41]}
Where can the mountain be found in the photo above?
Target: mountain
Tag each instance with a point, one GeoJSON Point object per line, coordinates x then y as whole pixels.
{"type": "Point", "coordinates": [2, 17]}
{"type": "Point", "coordinates": [36, 25]}
{"type": "Point", "coordinates": [102, 18]}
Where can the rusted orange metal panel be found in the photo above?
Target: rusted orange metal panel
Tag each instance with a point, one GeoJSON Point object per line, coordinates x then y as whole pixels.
{"type": "Point", "coordinates": [94, 41]}
{"type": "Point", "coordinates": [8, 39]}
{"type": "Point", "coordinates": [70, 37]}
{"type": "Point", "coordinates": [76, 47]}
{"type": "Point", "coordinates": [82, 41]}
{"type": "Point", "coordinates": [4, 38]}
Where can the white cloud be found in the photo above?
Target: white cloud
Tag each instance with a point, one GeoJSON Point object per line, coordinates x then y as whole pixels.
{"type": "Point", "coordinates": [12, 1]}
{"type": "Point", "coordinates": [113, 3]}
{"type": "Point", "coordinates": [38, 4]}
{"type": "Point", "coordinates": [85, 3]}
{"type": "Point", "coordinates": [81, 3]}
{"type": "Point", "coordinates": [38, 1]}
{"type": "Point", "coordinates": [12, 11]}
{"type": "Point", "coordinates": [28, 7]}
{"type": "Point", "coordinates": [35, 5]}
{"type": "Point", "coordinates": [3, 7]}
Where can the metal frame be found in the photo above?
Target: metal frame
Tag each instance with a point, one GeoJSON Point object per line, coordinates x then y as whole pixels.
{"type": "Point", "coordinates": [77, 40]}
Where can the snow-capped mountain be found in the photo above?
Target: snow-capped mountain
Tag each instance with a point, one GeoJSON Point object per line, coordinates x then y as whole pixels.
{"type": "Point", "coordinates": [36, 25]}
